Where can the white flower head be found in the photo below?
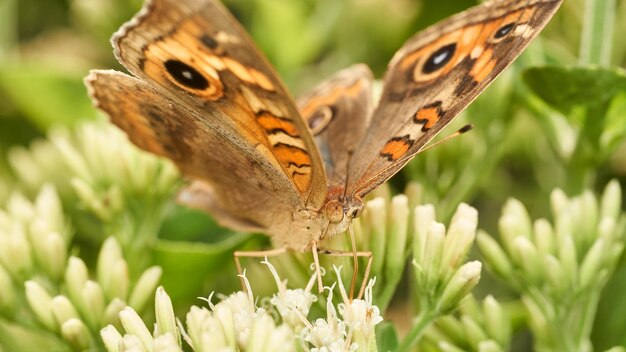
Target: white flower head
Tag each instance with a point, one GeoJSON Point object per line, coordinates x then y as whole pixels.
{"type": "Point", "coordinates": [239, 311]}
{"type": "Point", "coordinates": [292, 305]}
{"type": "Point", "coordinates": [360, 314]}
{"type": "Point", "coordinates": [355, 330]}
{"type": "Point", "coordinates": [326, 335]}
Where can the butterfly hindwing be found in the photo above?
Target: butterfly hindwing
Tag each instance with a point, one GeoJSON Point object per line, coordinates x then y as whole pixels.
{"type": "Point", "coordinates": [338, 112]}
{"type": "Point", "coordinates": [247, 175]}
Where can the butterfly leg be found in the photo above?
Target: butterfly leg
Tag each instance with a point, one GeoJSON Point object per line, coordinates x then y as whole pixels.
{"type": "Point", "coordinates": [355, 260]}
{"type": "Point", "coordinates": [368, 267]}
{"type": "Point", "coordinates": [254, 254]}
{"type": "Point", "coordinates": [318, 271]}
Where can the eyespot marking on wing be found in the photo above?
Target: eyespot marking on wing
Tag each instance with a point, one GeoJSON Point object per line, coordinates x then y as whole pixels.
{"type": "Point", "coordinates": [186, 75]}
{"type": "Point", "coordinates": [439, 59]}
{"type": "Point", "coordinates": [504, 30]}
{"type": "Point", "coordinates": [170, 63]}
{"type": "Point", "coordinates": [320, 119]}
{"type": "Point", "coordinates": [209, 42]}
{"type": "Point", "coordinates": [208, 58]}
{"type": "Point", "coordinates": [396, 147]}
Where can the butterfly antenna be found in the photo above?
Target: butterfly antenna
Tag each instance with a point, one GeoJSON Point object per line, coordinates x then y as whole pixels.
{"type": "Point", "coordinates": [355, 270]}
{"type": "Point", "coordinates": [461, 131]}
{"type": "Point", "coordinates": [345, 186]}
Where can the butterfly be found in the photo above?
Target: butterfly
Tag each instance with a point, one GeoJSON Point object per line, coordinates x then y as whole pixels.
{"type": "Point", "coordinates": [201, 94]}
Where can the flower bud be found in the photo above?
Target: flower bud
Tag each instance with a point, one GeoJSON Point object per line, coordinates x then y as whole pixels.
{"type": "Point", "coordinates": [463, 281]}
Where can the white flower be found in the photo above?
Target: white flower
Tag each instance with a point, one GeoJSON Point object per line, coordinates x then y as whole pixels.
{"type": "Point", "coordinates": [236, 324]}
{"type": "Point", "coordinates": [292, 305]}
{"type": "Point", "coordinates": [354, 331]}
{"type": "Point", "coordinates": [329, 334]}
{"type": "Point", "coordinates": [360, 314]}
{"type": "Point", "coordinates": [237, 313]}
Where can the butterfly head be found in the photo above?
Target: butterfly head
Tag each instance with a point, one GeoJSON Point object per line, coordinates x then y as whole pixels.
{"type": "Point", "coordinates": [340, 212]}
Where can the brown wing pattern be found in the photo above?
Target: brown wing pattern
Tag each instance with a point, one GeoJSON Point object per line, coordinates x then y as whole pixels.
{"type": "Point", "coordinates": [435, 75]}
{"type": "Point", "coordinates": [338, 112]}
{"type": "Point", "coordinates": [200, 57]}
{"type": "Point", "coordinates": [252, 188]}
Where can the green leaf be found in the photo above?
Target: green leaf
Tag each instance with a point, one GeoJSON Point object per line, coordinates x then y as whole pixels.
{"type": "Point", "coordinates": [46, 96]}
{"type": "Point", "coordinates": [191, 225]}
{"type": "Point", "coordinates": [615, 125]}
{"type": "Point", "coordinates": [386, 336]}
{"type": "Point", "coordinates": [187, 266]}
{"type": "Point", "coordinates": [567, 87]}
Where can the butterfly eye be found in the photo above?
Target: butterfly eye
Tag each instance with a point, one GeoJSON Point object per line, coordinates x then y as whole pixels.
{"type": "Point", "coordinates": [439, 58]}
{"type": "Point", "coordinates": [334, 211]}
{"type": "Point", "coordinates": [320, 119]}
{"type": "Point", "coordinates": [504, 31]}
{"type": "Point", "coordinates": [186, 75]}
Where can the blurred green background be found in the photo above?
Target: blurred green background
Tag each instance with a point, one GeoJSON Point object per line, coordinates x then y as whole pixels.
{"type": "Point", "coordinates": [556, 118]}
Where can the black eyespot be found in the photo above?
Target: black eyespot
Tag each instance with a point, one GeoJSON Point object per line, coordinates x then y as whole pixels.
{"type": "Point", "coordinates": [320, 119]}
{"type": "Point", "coordinates": [209, 42]}
{"type": "Point", "coordinates": [186, 75]}
{"type": "Point", "coordinates": [439, 58]}
{"type": "Point", "coordinates": [504, 30]}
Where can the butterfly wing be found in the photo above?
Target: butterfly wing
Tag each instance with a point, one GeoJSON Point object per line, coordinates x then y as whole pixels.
{"type": "Point", "coordinates": [338, 112]}
{"type": "Point", "coordinates": [196, 54]}
{"type": "Point", "coordinates": [158, 124]}
{"type": "Point", "coordinates": [435, 75]}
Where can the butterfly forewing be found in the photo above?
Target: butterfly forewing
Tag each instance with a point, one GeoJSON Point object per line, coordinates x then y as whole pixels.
{"type": "Point", "coordinates": [199, 56]}
{"type": "Point", "coordinates": [435, 75]}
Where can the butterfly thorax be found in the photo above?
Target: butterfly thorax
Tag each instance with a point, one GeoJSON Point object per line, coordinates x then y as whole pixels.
{"type": "Point", "coordinates": [307, 225]}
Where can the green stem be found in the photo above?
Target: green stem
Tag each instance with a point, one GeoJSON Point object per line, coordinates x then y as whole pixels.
{"type": "Point", "coordinates": [587, 319]}
{"type": "Point", "coordinates": [421, 323]}
{"type": "Point", "coordinates": [137, 235]}
{"type": "Point", "coordinates": [597, 35]}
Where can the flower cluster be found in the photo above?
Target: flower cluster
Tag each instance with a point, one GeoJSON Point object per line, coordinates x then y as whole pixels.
{"type": "Point", "coordinates": [98, 162]}
{"type": "Point", "coordinates": [486, 328]}
{"type": "Point", "coordinates": [59, 295]}
{"type": "Point", "coordinates": [34, 236]}
{"type": "Point", "coordinates": [559, 268]}
{"type": "Point", "coordinates": [236, 323]}
{"type": "Point", "coordinates": [96, 168]}
{"type": "Point", "coordinates": [442, 277]}
{"type": "Point", "coordinates": [80, 309]}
